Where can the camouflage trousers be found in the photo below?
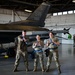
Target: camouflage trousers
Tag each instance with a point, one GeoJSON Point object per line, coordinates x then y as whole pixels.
{"type": "Point", "coordinates": [39, 57]}
{"type": "Point", "coordinates": [18, 56]}
{"type": "Point", "coordinates": [53, 53]}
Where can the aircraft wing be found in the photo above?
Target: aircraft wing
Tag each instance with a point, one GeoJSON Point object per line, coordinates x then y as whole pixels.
{"type": "Point", "coordinates": [21, 27]}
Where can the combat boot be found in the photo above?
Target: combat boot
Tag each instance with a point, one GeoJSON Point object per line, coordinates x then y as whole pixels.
{"type": "Point", "coordinates": [59, 71]}
{"type": "Point", "coordinates": [35, 68]}
{"type": "Point", "coordinates": [47, 70]}
{"type": "Point", "coordinates": [43, 69]}
{"type": "Point", "coordinates": [15, 69]}
{"type": "Point", "coordinates": [27, 69]}
{"type": "Point", "coordinates": [26, 63]}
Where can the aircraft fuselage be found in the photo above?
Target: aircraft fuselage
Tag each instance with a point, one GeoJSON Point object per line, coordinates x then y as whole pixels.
{"type": "Point", "coordinates": [8, 36]}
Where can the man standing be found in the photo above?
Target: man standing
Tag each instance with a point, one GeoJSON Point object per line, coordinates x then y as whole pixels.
{"type": "Point", "coordinates": [52, 44]}
{"type": "Point", "coordinates": [74, 40]}
{"type": "Point", "coordinates": [21, 46]}
{"type": "Point", "coordinates": [37, 46]}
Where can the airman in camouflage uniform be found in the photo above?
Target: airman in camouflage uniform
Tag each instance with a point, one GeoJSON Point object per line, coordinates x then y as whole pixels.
{"type": "Point", "coordinates": [52, 44]}
{"type": "Point", "coordinates": [21, 50]}
{"type": "Point", "coordinates": [37, 46]}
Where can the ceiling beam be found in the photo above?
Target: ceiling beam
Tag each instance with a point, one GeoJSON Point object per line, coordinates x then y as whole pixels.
{"type": "Point", "coordinates": [23, 2]}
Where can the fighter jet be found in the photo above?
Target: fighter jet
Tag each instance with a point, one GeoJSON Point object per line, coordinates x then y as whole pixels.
{"type": "Point", "coordinates": [35, 22]}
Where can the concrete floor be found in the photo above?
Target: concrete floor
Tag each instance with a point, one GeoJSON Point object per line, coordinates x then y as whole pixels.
{"type": "Point", "coordinates": [66, 57]}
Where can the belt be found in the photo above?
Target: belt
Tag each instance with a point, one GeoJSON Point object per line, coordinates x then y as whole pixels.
{"type": "Point", "coordinates": [38, 48]}
{"type": "Point", "coordinates": [52, 48]}
{"type": "Point", "coordinates": [38, 51]}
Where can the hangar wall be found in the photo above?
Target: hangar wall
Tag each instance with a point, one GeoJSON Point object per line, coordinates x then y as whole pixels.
{"type": "Point", "coordinates": [68, 19]}
{"type": "Point", "coordinates": [8, 15]}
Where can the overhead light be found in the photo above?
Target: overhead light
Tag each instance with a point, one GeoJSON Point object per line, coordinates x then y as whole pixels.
{"type": "Point", "coordinates": [73, 1]}
{"type": "Point", "coordinates": [28, 10]}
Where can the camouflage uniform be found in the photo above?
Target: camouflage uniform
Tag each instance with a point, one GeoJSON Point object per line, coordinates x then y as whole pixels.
{"type": "Point", "coordinates": [74, 40]}
{"type": "Point", "coordinates": [53, 52]}
{"type": "Point", "coordinates": [21, 51]}
{"type": "Point", "coordinates": [38, 54]}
